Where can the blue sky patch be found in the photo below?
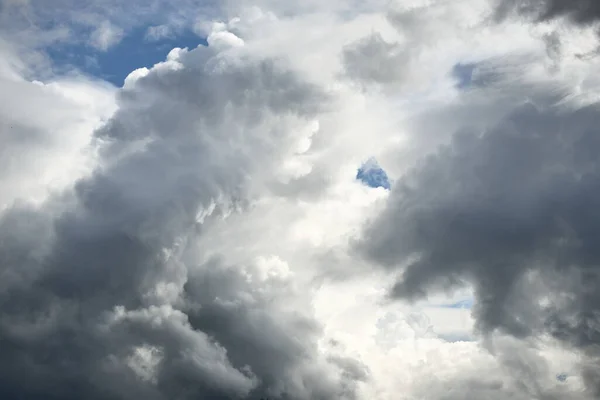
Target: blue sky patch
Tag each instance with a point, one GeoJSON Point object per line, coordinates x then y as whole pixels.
{"type": "Point", "coordinates": [454, 338]}
{"type": "Point", "coordinates": [372, 175]}
{"type": "Point", "coordinates": [466, 304]}
{"type": "Point", "coordinates": [463, 73]}
{"type": "Point", "coordinates": [113, 65]}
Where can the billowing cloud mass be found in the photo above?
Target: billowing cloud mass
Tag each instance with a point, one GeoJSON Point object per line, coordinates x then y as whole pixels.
{"type": "Point", "coordinates": [218, 228]}
{"type": "Point", "coordinates": [580, 11]}
{"type": "Point", "coordinates": [512, 211]}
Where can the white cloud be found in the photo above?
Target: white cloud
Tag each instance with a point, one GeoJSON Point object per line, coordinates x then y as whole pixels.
{"type": "Point", "coordinates": [158, 32]}
{"type": "Point", "coordinates": [105, 36]}
{"type": "Point", "coordinates": [45, 131]}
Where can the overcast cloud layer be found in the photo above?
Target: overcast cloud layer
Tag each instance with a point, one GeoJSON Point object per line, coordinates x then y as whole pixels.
{"type": "Point", "coordinates": [335, 200]}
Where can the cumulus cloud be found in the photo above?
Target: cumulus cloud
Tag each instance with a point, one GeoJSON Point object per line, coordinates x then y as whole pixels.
{"type": "Point", "coordinates": [212, 230]}
{"type": "Point", "coordinates": [45, 150]}
{"type": "Point", "coordinates": [106, 296]}
{"type": "Point", "coordinates": [508, 208]}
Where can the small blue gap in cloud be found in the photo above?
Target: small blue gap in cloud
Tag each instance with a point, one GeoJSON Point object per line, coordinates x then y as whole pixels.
{"type": "Point", "coordinates": [372, 175]}
{"type": "Point", "coordinates": [132, 52]}
{"type": "Point", "coordinates": [562, 377]}
{"type": "Point", "coordinates": [463, 73]}
{"type": "Point", "coordinates": [454, 338]}
{"type": "Point", "coordinates": [466, 304]}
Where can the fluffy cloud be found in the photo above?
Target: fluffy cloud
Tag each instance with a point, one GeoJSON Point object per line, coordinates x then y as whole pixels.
{"type": "Point", "coordinates": [45, 130]}
{"type": "Point", "coordinates": [507, 207]}
{"type": "Point", "coordinates": [203, 231]}
{"type": "Point", "coordinates": [106, 295]}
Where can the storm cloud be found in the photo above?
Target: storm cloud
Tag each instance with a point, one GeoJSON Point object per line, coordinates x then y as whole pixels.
{"type": "Point", "coordinates": [511, 209]}
{"type": "Point", "coordinates": [578, 11]}
{"type": "Point", "coordinates": [98, 298]}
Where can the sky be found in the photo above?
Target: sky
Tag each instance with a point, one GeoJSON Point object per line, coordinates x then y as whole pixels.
{"type": "Point", "coordinates": [136, 49]}
{"type": "Point", "coordinates": [249, 199]}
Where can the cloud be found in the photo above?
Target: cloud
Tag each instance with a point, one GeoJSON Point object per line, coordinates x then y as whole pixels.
{"type": "Point", "coordinates": [158, 32]}
{"type": "Point", "coordinates": [578, 11]}
{"type": "Point", "coordinates": [508, 208]}
{"type": "Point", "coordinates": [258, 330]}
{"type": "Point", "coordinates": [200, 232]}
{"type": "Point", "coordinates": [388, 66]}
{"type": "Point", "coordinates": [463, 74]}
{"type": "Point", "coordinates": [105, 36]}
{"type": "Point", "coordinates": [108, 306]}
{"type": "Point", "coordinates": [45, 150]}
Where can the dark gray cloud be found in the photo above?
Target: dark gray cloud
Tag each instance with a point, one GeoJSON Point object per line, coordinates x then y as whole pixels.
{"type": "Point", "coordinates": [279, 346]}
{"type": "Point", "coordinates": [578, 11]}
{"type": "Point", "coordinates": [99, 296]}
{"type": "Point", "coordinates": [512, 210]}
